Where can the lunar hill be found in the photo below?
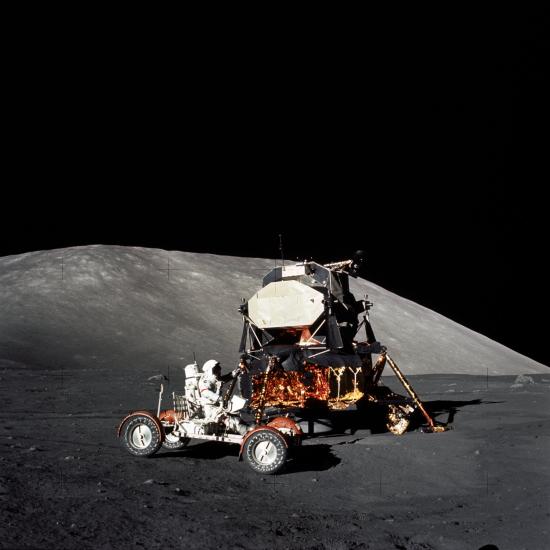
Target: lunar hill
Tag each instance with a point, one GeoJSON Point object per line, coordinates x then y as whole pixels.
{"type": "Point", "coordinates": [137, 308]}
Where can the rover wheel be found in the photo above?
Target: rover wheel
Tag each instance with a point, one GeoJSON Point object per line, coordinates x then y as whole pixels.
{"type": "Point", "coordinates": [265, 452]}
{"type": "Point", "coordinates": [173, 442]}
{"type": "Point", "coordinates": [398, 420]}
{"type": "Point", "coordinates": [141, 436]}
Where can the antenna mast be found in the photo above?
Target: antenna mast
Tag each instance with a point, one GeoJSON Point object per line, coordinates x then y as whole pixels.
{"type": "Point", "coordinates": [281, 248]}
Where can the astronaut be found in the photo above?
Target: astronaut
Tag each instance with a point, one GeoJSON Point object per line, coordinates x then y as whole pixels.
{"type": "Point", "coordinates": [192, 394]}
{"type": "Point", "coordinates": [210, 384]}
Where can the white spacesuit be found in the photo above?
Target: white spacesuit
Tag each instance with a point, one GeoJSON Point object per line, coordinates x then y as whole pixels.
{"type": "Point", "coordinates": [192, 394]}
{"type": "Point", "coordinates": [210, 384]}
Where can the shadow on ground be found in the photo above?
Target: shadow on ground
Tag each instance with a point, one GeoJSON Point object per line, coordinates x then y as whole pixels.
{"type": "Point", "coordinates": [373, 417]}
{"type": "Point", "coordinates": [210, 450]}
{"type": "Point", "coordinates": [444, 411]}
{"type": "Point", "coordinates": [314, 458]}
{"type": "Point", "coordinates": [311, 458]}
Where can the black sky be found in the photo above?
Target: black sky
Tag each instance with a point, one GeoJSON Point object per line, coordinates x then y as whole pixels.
{"type": "Point", "coordinates": [426, 153]}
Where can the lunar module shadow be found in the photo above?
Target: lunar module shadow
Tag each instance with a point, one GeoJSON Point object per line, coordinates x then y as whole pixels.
{"type": "Point", "coordinates": [373, 418]}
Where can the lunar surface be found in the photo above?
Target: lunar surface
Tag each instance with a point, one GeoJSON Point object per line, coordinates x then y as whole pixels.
{"type": "Point", "coordinates": [88, 333]}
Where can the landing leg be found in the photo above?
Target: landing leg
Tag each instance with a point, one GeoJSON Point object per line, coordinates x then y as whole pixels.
{"type": "Point", "coordinates": [432, 427]}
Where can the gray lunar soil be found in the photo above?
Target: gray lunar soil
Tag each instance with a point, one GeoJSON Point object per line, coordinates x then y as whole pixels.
{"type": "Point", "coordinates": [84, 332]}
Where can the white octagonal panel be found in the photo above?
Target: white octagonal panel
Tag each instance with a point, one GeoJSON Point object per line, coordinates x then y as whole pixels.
{"type": "Point", "coordinates": [285, 304]}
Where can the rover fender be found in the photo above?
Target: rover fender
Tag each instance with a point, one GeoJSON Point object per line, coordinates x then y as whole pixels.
{"type": "Point", "coordinates": [169, 415]}
{"type": "Point", "coordinates": [284, 425]}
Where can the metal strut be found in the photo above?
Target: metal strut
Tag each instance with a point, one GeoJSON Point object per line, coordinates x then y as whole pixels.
{"type": "Point", "coordinates": [406, 384]}
{"type": "Point", "coordinates": [271, 363]}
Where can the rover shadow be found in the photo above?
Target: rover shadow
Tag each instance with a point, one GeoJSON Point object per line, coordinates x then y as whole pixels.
{"type": "Point", "coordinates": [209, 450]}
{"type": "Point", "coordinates": [306, 458]}
{"type": "Point", "coordinates": [311, 458]}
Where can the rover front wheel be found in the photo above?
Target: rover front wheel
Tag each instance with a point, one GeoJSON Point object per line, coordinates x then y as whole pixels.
{"type": "Point", "coordinates": [265, 452]}
{"type": "Point", "coordinates": [141, 435]}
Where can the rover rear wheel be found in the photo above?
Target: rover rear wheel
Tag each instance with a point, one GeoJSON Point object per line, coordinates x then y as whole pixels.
{"type": "Point", "coordinates": [141, 436]}
{"type": "Point", "coordinates": [265, 452]}
{"type": "Point", "coordinates": [173, 442]}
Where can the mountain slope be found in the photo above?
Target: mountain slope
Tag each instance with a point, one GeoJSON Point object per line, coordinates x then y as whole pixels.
{"type": "Point", "coordinates": [137, 308]}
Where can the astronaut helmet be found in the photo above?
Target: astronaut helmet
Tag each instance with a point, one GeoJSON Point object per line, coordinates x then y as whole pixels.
{"type": "Point", "coordinates": [209, 366]}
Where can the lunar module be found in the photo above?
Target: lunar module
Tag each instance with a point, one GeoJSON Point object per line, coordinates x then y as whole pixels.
{"type": "Point", "coordinates": [310, 346]}
{"type": "Point", "coordinates": [307, 350]}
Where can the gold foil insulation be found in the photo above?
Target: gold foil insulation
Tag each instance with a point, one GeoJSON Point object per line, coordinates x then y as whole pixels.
{"type": "Point", "coordinates": [339, 387]}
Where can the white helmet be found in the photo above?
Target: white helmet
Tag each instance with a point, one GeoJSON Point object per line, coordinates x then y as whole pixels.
{"type": "Point", "coordinates": [209, 366]}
